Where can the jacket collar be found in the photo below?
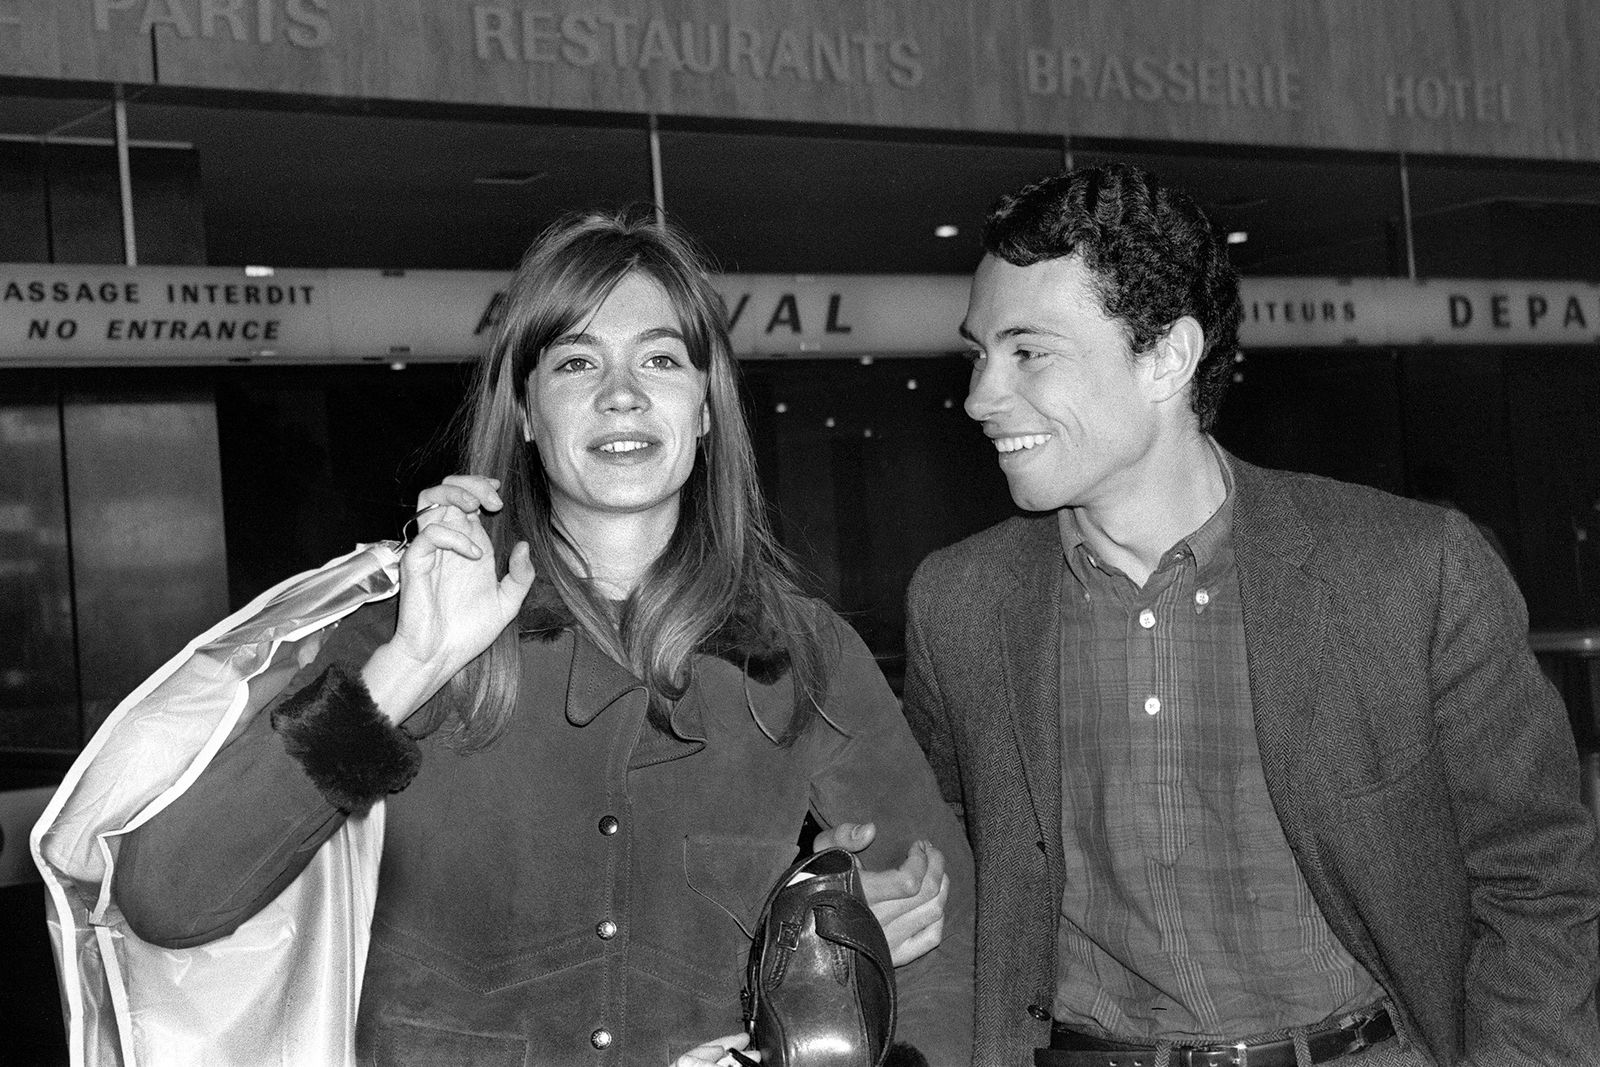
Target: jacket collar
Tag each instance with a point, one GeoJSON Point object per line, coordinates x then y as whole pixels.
{"type": "Point", "coordinates": [595, 681]}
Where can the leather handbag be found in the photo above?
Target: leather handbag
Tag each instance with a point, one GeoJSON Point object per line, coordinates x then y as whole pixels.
{"type": "Point", "coordinates": [819, 983]}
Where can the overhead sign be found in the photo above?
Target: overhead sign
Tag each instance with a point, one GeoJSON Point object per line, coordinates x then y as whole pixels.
{"type": "Point", "coordinates": [1458, 76]}
{"type": "Point", "coordinates": [111, 316]}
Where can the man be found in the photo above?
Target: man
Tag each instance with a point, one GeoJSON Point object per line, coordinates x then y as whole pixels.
{"type": "Point", "coordinates": [1247, 758]}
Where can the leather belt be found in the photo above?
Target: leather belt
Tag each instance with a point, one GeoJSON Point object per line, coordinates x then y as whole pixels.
{"type": "Point", "coordinates": [1068, 1048]}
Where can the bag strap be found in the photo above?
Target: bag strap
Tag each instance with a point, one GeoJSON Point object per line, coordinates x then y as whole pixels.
{"type": "Point", "coordinates": [843, 919]}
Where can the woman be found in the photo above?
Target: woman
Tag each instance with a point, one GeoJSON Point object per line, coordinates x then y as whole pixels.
{"type": "Point", "coordinates": [601, 707]}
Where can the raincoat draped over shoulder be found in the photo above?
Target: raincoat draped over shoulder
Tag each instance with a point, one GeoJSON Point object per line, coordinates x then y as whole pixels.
{"type": "Point", "coordinates": [284, 987]}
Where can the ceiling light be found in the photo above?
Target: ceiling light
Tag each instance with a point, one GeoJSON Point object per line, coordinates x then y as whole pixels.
{"type": "Point", "coordinates": [258, 272]}
{"type": "Point", "coordinates": [945, 230]}
{"type": "Point", "coordinates": [1238, 237]}
{"type": "Point", "coordinates": [509, 177]}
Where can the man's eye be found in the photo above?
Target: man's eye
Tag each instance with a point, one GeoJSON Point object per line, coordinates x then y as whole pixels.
{"type": "Point", "coordinates": [973, 355]}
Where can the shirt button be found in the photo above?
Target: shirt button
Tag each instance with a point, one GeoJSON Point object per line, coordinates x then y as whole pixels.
{"type": "Point", "coordinates": [609, 825]}
{"type": "Point", "coordinates": [1039, 1012]}
{"type": "Point", "coordinates": [1202, 598]}
{"type": "Point", "coordinates": [606, 929]}
{"type": "Point", "coordinates": [600, 1038]}
{"type": "Point", "coordinates": [1152, 705]}
{"type": "Point", "coordinates": [1147, 618]}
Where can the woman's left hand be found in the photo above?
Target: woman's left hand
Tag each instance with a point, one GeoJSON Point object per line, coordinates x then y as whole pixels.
{"type": "Point", "coordinates": [719, 1052]}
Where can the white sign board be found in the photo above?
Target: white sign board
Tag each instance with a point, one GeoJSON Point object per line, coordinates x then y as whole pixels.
{"type": "Point", "coordinates": [127, 316]}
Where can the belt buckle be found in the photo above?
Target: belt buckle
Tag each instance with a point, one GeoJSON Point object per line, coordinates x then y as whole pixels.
{"type": "Point", "coordinates": [1237, 1055]}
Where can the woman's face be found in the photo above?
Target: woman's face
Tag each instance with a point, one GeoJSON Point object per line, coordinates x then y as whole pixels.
{"type": "Point", "coordinates": [616, 408]}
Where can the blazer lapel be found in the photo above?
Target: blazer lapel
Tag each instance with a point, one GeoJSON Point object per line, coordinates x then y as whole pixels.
{"type": "Point", "coordinates": [1286, 609]}
{"type": "Point", "coordinates": [1028, 622]}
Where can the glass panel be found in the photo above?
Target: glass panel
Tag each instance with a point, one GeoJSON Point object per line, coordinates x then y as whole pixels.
{"type": "Point", "coordinates": [316, 460]}
{"type": "Point", "coordinates": [24, 231]}
{"type": "Point", "coordinates": [38, 668]}
{"type": "Point", "coordinates": [1302, 214]}
{"type": "Point", "coordinates": [146, 512]}
{"type": "Point", "coordinates": [1480, 219]}
{"type": "Point", "coordinates": [870, 466]}
{"type": "Point", "coordinates": [820, 205]}
{"type": "Point", "coordinates": [58, 164]}
{"type": "Point", "coordinates": [1325, 411]}
{"type": "Point", "coordinates": [85, 205]}
{"type": "Point", "coordinates": [1551, 398]}
{"type": "Point", "coordinates": [1457, 442]}
{"type": "Point", "coordinates": [321, 189]}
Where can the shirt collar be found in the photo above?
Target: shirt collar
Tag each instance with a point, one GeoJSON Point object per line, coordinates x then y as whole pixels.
{"type": "Point", "coordinates": [1208, 545]}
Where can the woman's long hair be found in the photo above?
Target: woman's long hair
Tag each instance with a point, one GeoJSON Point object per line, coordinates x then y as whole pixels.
{"type": "Point", "coordinates": [722, 570]}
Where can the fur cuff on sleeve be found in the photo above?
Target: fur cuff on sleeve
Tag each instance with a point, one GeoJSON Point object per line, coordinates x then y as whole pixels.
{"type": "Point", "coordinates": [904, 1055]}
{"type": "Point", "coordinates": [349, 750]}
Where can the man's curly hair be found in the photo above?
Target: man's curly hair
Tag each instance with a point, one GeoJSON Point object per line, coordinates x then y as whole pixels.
{"type": "Point", "coordinates": [1153, 253]}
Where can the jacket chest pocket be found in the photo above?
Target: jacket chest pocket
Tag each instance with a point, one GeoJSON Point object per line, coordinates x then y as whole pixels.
{"type": "Point", "coordinates": [724, 882]}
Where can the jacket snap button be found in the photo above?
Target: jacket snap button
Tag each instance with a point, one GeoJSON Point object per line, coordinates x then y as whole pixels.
{"type": "Point", "coordinates": [609, 824]}
{"type": "Point", "coordinates": [606, 929]}
{"type": "Point", "coordinates": [1038, 1013]}
{"type": "Point", "coordinates": [600, 1039]}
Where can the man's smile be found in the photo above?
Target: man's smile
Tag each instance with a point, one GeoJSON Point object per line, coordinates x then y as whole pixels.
{"type": "Point", "coordinates": [1020, 442]}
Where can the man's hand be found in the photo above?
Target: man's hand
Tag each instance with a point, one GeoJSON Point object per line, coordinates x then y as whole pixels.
{"type": "Point", "coordinates": [908, 900]}
{"type": "Point", "coordinates": [723, 1052]}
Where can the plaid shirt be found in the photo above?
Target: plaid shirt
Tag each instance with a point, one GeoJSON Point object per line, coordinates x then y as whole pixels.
{"type": "Point", "coordinates": [1184, 915]}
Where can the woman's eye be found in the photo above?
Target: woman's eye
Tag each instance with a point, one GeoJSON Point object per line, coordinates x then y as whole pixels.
{"type": "Point", "coordinates": [662, 361]}
{"type": "Point", "coordinates": [570, 365]}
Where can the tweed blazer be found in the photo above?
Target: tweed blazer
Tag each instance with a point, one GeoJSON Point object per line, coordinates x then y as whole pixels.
{"type": "Point", "coordinates": [1421, 765]}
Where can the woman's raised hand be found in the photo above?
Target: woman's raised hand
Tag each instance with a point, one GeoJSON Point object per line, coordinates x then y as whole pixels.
{"type": "Point", "coordinates": [453, 602]}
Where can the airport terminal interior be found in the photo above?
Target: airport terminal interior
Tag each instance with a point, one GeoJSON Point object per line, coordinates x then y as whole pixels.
{"type": "Point", "coordinates": [868, 459]}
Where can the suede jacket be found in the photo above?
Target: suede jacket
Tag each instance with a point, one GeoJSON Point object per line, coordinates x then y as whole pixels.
{"type": "Point", "coordinates": [1421, 766]}
{"type": "Point", "coordinates": [581, 891]}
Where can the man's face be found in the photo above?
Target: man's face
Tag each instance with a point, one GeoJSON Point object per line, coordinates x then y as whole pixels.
{"type": "Point", "coordinates": [1070, 411]}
